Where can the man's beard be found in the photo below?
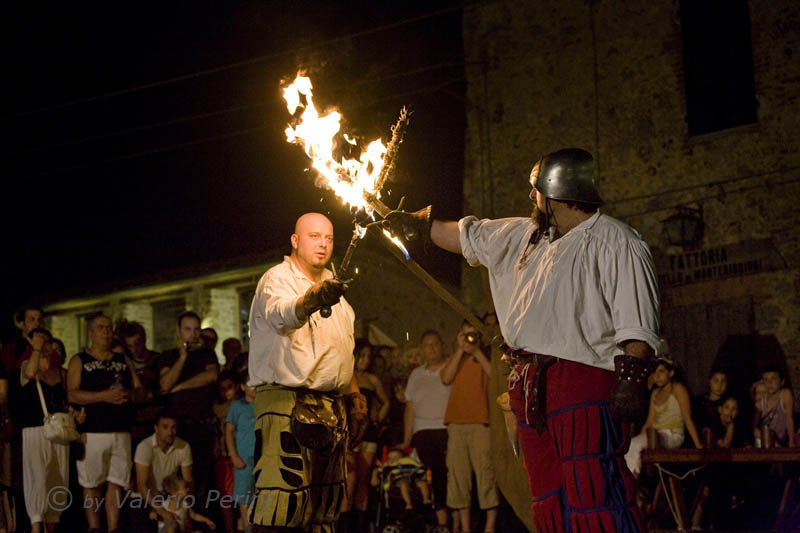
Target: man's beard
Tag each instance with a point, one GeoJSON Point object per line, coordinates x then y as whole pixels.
{"type": "Point", "coordinates": [539, 218]}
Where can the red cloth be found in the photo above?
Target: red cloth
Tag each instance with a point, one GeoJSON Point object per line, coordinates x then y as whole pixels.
{"type": "Point", "coordinates": [223, 473]}
{"type": "Point", "coordinates": [576, 470]}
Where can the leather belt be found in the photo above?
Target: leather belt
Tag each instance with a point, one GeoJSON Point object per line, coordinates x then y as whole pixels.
{"type": "Point", "coordinates": [523, 363]}
{"type": "Point", "coordinates": [519, 356]}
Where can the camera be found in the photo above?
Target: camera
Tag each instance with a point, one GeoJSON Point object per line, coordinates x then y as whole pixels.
{"type": "Point", "coordinates": [473, 337]}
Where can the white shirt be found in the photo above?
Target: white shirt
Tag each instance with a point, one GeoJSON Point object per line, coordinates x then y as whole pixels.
{"type": "Point", "coordinates": [162, 464]}
{"type": "Point", "coordinates": [428, 396]}
{"type": "Point", "coordinates": [316, 353]}
{"type": "Point", "coordinates": [576, 298]}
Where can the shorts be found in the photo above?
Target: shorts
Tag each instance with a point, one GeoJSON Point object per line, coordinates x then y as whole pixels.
{"type": "Point", "coordinates": [107, 459]}
{"type": "Point", "coordinates": [468, 452]}
{"type": "Point", "coordinates": [223, 474]}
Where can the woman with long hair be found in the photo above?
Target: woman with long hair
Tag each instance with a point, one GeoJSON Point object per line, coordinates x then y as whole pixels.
{"type": "Point", "coordinates": [670, 414]}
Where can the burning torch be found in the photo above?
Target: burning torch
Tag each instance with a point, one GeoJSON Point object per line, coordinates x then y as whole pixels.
{"type": "Point", "coordinates": [357, 182]}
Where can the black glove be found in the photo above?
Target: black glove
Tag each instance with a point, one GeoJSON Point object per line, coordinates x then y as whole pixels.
{"type": "Point", "coordinates": [324, 293]}
{"type": "Point", "coordinates": [629, 398]}
{"type": "Point", "coordinates": [357, 420]}
{"type": "Point", "coordinates": [409, 225]}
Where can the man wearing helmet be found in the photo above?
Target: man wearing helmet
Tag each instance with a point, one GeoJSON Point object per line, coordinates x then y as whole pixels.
{"type": "Point", "coordinates": [576, 298]}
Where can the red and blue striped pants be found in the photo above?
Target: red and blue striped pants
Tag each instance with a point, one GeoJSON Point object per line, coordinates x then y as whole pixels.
{"type": "Point", "coordinates": [577, 474]}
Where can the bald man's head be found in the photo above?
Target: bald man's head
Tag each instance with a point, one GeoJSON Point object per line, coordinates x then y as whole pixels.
{"type": "Point", "coordinates": [311, 219]}
{"type": "Point", "coordinates": [312, 243]}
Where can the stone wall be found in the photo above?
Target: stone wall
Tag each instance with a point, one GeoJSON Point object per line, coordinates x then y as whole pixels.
{"type": "Point", "coordinates": [387, 295]}
{"type": "Point", "coordinates": [223, 315]}
{"type": "Point", "coordinates": [608, 76]}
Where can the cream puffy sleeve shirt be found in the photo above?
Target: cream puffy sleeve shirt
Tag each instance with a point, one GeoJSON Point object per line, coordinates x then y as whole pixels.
{"type": "Point", "coordinates": [316, 353]}
{"type": "Point", "coordinates": [576, 298]}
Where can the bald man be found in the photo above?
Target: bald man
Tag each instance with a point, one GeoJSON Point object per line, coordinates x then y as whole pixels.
{"type": "Point", "coordinates": [301, 366]}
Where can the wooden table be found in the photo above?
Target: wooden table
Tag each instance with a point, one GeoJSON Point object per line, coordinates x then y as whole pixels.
{"type": "Point", "coordinates": [674, 488]}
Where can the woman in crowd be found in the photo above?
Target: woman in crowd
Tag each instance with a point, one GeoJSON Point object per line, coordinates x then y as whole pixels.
{"type": "Point", "coordinates": [44, 463]}
{"type": "Point", "coordinates": [670, 412]}
{"type": "Point", "coordinates": [377, 400]}
{"type": "Point", "coordinates": [359, 461]}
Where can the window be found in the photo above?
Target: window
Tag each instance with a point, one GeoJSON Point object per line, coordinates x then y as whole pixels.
{"type": "Point", "coordinates": [718, 65]}
{"type": "Point", "coordinates": [165, 316]}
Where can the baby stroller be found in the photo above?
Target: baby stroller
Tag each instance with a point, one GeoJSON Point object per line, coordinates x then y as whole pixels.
{"type": "Point", "coordinates": [391, 515]}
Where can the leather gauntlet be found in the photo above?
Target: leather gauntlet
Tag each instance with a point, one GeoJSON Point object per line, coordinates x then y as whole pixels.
{"type": "Point", "coordinates": [324, 293]}
{"type": "Point", "coordinates": [410, 225]}
{"type": "Point", "coordinates": [629, 394]}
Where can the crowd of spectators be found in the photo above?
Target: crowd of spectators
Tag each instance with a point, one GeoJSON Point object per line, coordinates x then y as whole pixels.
{"type": "Point", "coordinates": [762, 415]}
{"type": "Point", "coordinates": [167, 440]}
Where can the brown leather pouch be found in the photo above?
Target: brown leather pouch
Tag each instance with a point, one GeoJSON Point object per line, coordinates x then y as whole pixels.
{"type": "Point", "coordinates": [313, 422]}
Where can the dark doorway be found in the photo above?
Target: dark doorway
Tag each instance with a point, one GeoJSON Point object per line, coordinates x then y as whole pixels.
{"type": "Point", "coordinates": [696, 334]}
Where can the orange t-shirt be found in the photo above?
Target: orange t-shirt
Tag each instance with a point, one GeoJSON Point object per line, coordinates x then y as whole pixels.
{"type": "Point", "coordinates": [469, 395]}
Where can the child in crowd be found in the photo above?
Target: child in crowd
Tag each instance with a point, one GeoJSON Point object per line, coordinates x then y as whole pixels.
{"type": "Point", "coordinates": [774, 408]}
{"type": "Point", "coordinates": [670, 413]}
{"type": "Point", "coordinates": [716, 482]}
{"type": "Point", "coordinates": [705, 406]}
{"type": "Point", "coordinates": [241, 440]}
{"type": "Point", "coordinates": [725, 431]}
{"type": "Point", "coordinates": [179, 506]}
{"type": "Point", "coordinates": [228, 391]}
{"type": "Point", "coordinates": [401, 471]}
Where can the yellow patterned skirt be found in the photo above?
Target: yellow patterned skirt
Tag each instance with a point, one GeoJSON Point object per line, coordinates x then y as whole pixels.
{"type": "Point", "coordinates": [296, 487]}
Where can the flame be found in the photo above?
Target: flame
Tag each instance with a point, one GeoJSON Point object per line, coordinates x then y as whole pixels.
{"type": "Point", "coordinates": [350, 179]}
{"type": "Point", "coordinates": [397, 243]}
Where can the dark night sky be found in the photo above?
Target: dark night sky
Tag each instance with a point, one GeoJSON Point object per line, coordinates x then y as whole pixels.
{"type": "Point", "coordinates": [104, 184]}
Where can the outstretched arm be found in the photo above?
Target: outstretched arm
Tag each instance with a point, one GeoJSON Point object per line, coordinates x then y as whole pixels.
{"type": "Point", "coordinates": [446, 235]}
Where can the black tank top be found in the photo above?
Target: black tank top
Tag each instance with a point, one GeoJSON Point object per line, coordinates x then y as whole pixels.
{"type": "Point", "coordinates": [98, 375]}
{"type": "Point", "coordinates": [30, 414]}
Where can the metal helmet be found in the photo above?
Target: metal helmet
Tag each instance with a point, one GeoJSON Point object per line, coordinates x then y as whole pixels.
{"type": "Point", "coordinates": [566, 175]}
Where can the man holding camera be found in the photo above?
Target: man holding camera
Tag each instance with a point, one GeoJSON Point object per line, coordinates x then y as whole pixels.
{"type": "Point", "coordinates": [467, 420]}
{"type": "Point", "coordinates": [187, 378]}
